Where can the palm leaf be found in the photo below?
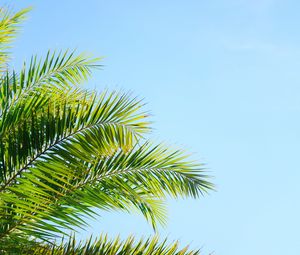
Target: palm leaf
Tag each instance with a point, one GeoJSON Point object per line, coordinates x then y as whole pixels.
{"type": "Point", "coordinates": [9, 26]}
{"type": "Point", "coordinates": [140, 178]}
{"type": "Point", "coordinates": [105, 246]}
{"type": "Point", "coordinates": [65, 150]}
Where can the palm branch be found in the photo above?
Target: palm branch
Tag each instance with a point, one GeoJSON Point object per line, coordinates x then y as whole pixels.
{"type": "Point", "coordinates": [65, 150]}
{"type": "Point", "coordinates": [105, 246]}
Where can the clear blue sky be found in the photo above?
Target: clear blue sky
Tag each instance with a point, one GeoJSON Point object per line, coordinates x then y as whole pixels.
{"type": "Point", "coordinates": [222, 80]}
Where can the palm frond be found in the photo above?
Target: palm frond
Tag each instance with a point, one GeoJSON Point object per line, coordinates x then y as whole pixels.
{"type": "Point", "coordinates": [9, 26]}
{"type": "Point", "coordinates": [65, 187]}
{"type": "Point", "coordinates": [106, 246]}
{"type": "Point", "coordinates": [65, 150]}
{"type": "Point", "coordinates": [45, 78]}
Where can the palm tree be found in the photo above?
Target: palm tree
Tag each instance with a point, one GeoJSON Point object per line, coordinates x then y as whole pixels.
{"type": "Point", "coordinates": [65, 151]}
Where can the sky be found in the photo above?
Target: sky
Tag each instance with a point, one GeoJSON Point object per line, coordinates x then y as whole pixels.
{"type": "Point", "coordinates": [221, 79]}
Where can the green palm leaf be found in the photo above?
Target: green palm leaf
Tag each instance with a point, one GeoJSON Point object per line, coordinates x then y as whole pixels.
{"type": "Point", "coordinates": [65, 151]}
{"type": "Point", "coordinates": [9, 26]}
{"type": "Point", "coordinates": [105, 246]}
